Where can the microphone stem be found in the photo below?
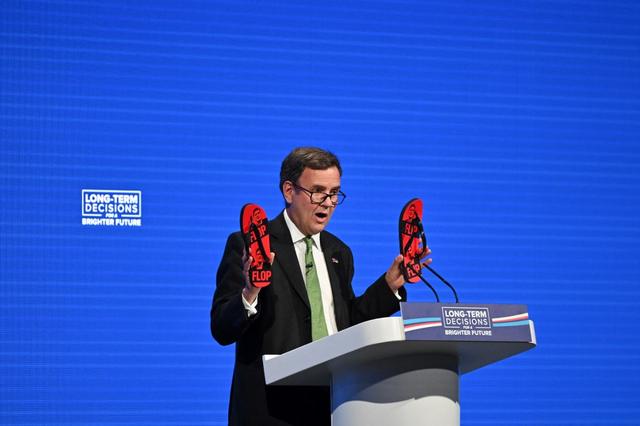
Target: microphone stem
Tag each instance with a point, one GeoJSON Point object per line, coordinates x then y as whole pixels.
{"type": "Point", "coordinates": [431, 287]}
{"type": "Point", "coordinates": [441, 278]}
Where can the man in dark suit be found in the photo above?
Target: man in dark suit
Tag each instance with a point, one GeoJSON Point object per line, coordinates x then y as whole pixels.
{"type": "Point", "coordinates": [310, 295]}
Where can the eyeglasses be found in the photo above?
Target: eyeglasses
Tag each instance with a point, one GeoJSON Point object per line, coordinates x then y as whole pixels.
{"type": "Point", "coordinates": [316, 197]}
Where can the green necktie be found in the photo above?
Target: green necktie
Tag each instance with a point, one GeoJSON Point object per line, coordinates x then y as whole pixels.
{"type": "Point", "coordinates": [318, 324]}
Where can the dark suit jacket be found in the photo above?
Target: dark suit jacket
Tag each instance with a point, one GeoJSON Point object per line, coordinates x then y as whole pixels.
{"type": "Point", "coordinates": [283, 322]}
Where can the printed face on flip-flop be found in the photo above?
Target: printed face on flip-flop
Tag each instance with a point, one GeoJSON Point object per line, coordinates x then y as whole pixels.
{"type": "Point", "coordinates": [312, 218]}
{"type": "Point", "coordinates": [256, 216]}
{"type": "Point", "coordinates": [258, 259]}
{"type": "Point", "coordinates": [412, 212]}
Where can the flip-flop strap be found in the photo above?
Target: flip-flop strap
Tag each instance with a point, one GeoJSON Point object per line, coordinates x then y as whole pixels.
{"type": "Point", "coordinates": [253, 228]}
{"type": "Point", "coordinates": [423, 237]}
{"type": "Point", "coordinates": [419, 233]}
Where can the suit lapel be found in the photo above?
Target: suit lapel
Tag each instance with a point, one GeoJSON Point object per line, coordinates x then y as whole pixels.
{"type": "Point", "coordinates": [282, 246]}
{"type": "Point", "coordinates": [332, 259]}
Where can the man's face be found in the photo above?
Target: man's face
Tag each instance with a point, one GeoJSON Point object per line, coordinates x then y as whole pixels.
{"type": "Point", "coordinates": [311, 218]}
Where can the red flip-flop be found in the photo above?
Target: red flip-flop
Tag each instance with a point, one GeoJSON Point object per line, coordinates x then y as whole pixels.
{"type": "Point", "coordinates": [255, 232]}
{"type": "Point", "coordinates": [413, 242]}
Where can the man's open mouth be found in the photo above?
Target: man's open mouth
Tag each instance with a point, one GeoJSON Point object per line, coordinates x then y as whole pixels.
{"type": "Point", "coordinates": [321, 215]}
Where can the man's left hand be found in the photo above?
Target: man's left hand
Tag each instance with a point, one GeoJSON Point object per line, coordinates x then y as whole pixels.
{"type": "Point", "coordinates": [394, 276]}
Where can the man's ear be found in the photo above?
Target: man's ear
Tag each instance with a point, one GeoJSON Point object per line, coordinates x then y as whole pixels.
{"type": "Point", "coordinates": [287, 191]}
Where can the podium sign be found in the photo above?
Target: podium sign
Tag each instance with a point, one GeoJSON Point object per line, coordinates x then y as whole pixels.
{"type": "Point", "coordinates": [467, 322]}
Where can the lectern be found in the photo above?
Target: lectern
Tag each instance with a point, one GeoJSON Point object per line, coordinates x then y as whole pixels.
{"type": "Point", "coordinates": [405, 370]}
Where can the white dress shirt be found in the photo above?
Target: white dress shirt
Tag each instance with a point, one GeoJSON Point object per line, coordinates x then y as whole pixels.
{"type": "Point", "coordinates": [321, 268]}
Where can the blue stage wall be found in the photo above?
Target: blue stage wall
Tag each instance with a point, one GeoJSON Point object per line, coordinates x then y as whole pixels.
{"type": "Point", "coordinates": [516, 122]}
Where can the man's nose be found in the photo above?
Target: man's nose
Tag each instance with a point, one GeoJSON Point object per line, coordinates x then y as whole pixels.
{"type": "Point", "coordinates": [327, 202]}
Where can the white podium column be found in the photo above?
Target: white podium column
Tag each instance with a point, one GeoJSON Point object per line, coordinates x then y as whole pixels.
{"type": "Point", "coordinates": [415, 389]}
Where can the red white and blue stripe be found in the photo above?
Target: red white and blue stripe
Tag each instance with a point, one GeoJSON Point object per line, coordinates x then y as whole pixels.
{"type": "Point", "coordinates": [420, 323]}
{"type": "Point", "coordinates": [511, 321]}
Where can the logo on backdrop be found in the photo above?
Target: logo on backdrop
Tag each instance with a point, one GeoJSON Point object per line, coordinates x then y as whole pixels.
{"type": "Point", "coordinates": [111, 207]}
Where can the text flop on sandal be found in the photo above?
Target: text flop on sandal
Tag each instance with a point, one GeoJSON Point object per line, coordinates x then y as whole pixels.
{"type": "Point", "coordinates": [412, 240]}
{"type": "Point", "coordinates": [255, 232]}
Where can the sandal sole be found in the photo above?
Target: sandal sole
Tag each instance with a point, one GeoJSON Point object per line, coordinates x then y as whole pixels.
{"type": "Point", "coordinates": [255, 232]}
{"type": "Point", "coordinates": [410, 240]}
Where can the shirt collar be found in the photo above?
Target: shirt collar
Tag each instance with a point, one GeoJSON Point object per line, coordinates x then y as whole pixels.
{"type": "Point", "coordinates": [296, 234]}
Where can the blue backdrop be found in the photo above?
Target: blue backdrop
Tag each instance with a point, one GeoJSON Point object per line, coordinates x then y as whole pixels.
{"type": "Point", "coordinates": [516, 122]}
